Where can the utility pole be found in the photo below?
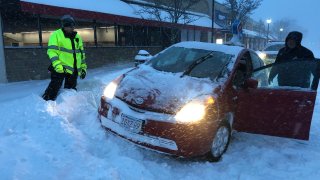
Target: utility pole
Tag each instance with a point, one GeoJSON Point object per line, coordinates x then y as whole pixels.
{"type": "Point", "coordinates": [212, 24]}
{"type": "Point", "coordinates": [3, 74]}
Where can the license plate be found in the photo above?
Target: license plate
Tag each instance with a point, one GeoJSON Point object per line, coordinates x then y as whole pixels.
{"type": "Point", "coordinates": [130, 123]}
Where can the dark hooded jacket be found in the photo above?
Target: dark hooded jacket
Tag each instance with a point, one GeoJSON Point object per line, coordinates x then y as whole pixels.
{"type": "Point", "coordinates": [298, 52]}
{"type": "Point", "coordinates": [290, 75]}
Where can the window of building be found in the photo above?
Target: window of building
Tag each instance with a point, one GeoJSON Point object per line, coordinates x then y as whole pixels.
{"type": "Point", "coordinates": [140, 34]}
{"type": "Point", "coordinates": [48, 26]}
{"type": "Point", "coordinates": [20, 29]}
{"type": "Point", "coordinates": [155, 36]}
{"type": "Point", "coordinates": [106, 34]}
{"type": "Point", "coordinates": [204, 36]}
{"type": "Point", "coordinates": [84, 29]}
{"type": "Point", "coordinates": [125, 37]}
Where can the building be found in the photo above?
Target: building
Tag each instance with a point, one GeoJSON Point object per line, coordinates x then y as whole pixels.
{"type": "Point", "coordinates": [113, 32]}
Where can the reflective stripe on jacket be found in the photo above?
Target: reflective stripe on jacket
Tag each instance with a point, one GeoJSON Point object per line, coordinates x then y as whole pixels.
{"type": "Point", "coordinates": [60, 52]}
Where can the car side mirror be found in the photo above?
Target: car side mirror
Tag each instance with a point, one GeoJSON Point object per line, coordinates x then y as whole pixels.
{"type": "Point", "coordinates": [251, 83]}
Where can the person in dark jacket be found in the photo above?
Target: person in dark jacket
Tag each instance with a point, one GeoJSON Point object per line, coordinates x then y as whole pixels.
{"type": "Point", "coordinates": [287, 76]}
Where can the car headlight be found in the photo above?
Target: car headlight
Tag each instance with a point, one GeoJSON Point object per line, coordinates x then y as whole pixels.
{"type": "Point", "coordinates": [262, 55]}
{"type": "Point", "coordinates": [194, 111]}
{"type": "Point", "coordinates": [110, 90]}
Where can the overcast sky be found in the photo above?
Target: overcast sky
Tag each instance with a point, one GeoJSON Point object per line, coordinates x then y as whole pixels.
{"type": "Point", "coordinates": [305, 12]}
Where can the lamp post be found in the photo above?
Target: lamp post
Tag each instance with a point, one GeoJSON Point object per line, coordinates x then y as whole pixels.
{"type": "Point", "coordinates": [281, 30]}
{"type": "Point", "coordinates": [268, 22]}
{"type": "Point", "coordinates": [3, 74]}
{"type": "Point", "coordinates": [212, 24]}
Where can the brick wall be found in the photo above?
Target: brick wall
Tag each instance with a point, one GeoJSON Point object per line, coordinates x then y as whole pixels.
{"type": "Point", "coordinates": [31, 63]}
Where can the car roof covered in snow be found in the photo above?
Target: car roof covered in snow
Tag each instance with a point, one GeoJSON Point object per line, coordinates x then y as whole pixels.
{"type": "Point", "coordinates": [233, 50]}
{"type": "Point", "coordinates": [271, 43]}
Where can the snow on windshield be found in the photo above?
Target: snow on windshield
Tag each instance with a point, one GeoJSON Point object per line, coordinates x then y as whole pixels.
{"type": "Point", "coordinates": [233, 51]}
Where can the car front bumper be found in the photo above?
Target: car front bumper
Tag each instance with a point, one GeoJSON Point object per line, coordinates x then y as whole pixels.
{"type": "Point", "coordinates": [159, 131]}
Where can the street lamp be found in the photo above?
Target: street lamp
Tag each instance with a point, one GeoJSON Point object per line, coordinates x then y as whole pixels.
{"type": "Point", "coordinates": [281, 30]}
{"type": "Point", "coordinates": [268, 22]}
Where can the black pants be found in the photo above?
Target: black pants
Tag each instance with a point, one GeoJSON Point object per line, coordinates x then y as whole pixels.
{"type": "Point", "coordinates": [52, 90]}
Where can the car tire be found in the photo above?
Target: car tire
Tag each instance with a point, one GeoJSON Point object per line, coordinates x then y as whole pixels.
{"type": "Point", "coordinates": [220, 142]}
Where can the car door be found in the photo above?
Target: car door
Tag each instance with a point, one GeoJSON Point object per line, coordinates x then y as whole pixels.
{"type": "Point", "coordinates": [279, 108]}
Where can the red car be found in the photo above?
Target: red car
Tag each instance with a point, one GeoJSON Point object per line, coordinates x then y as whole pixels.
{"type": "Point", "coordinates": [188, 98]}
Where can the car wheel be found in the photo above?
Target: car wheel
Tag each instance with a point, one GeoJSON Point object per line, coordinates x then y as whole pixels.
{"type": "Point", "coordinates": [220, 142]}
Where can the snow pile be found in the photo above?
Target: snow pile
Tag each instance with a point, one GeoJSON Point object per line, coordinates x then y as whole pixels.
{"type": "Point", "coordinates": [64, 140]}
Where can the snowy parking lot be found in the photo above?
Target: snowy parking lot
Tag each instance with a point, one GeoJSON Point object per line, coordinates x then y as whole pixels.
{"type": "Point", "coordinates": [64, 140]}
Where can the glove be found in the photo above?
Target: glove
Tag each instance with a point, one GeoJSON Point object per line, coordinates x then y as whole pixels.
{"type": "Point", "coordinates": [83, 74]}
{"type": "Point", "coordinates": [59, 68]}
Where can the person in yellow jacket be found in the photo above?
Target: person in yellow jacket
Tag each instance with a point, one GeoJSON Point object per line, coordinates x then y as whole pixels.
{"type": "Point", "coordinates": [66, 53]}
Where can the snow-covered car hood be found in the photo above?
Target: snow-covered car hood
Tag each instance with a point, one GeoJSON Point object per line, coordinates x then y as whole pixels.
{"type": "Point", "coordinates": [149, 89]}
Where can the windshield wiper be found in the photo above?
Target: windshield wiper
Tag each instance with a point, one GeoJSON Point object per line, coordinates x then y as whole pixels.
{"type": "Point", "coordinates": [195, 63]}
{"type": "Point", "coordinates": [225, 68]}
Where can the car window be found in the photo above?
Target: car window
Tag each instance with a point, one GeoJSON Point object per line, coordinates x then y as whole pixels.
{"type": "Point", "coordinates": [293, 74]}
{"type": "Point", "coordinates": [256, 61]}
{"type": "Point", "coordinates": [243, 70]}
{"type": "Point", "coordinates": [275, 47]}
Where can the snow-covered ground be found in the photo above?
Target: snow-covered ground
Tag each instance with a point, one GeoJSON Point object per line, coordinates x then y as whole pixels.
{"type": "Point", "coordinates": [64, 140]}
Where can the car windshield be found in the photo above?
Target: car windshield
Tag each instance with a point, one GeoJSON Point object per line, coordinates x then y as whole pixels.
{"type": "Point", "coordinates": [275, 47]}
{"type": "Point", "coordinates": [179, 59]}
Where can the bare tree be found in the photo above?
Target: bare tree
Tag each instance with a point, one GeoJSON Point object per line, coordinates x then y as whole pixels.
{"type": "Point", "coordinates": [261, 28]}
{"type": "Point", "coordinates": [282, 27]}
{"type": "Point", "coordinates": [172, 11]}
{"type": "Point", "coordinates": [241, 9]}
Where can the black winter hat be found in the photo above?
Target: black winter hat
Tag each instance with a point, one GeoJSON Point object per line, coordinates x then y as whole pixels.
{"type": "Point", "coordinates": [296, 36]}
{"type": "Point", "coordinates": [67, 21]}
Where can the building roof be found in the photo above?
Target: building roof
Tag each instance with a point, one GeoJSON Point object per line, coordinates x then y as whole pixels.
{"type": "Point", "coordinates": [115, 7]}
{"type": "Point", "coordinates": [255, 34]}
{"type": "Point", "coordinates": [109, 10]}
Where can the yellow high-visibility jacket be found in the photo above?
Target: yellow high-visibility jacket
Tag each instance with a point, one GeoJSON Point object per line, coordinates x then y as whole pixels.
{"type": "Point", "coordinates": [60, 52]}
